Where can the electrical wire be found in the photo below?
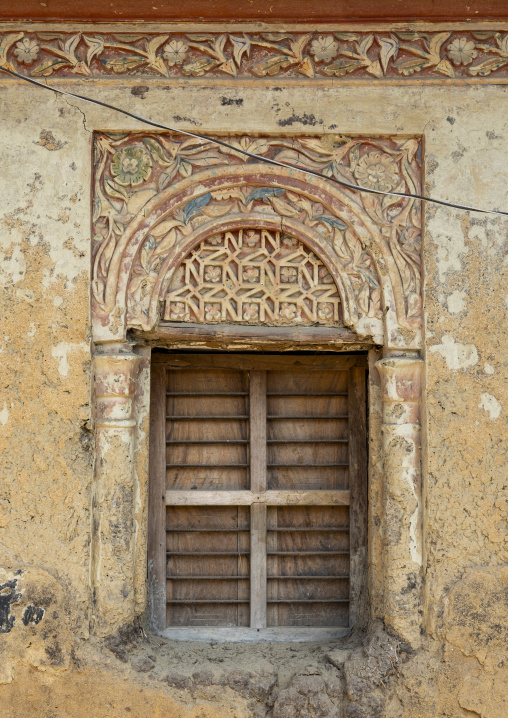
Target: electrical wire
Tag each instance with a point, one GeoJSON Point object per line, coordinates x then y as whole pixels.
{"type": "Point", "coordinates": [251, 155]}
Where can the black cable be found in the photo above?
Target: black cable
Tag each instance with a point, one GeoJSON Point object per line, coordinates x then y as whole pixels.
{"type": "Point", "coordinates": [266, 160]}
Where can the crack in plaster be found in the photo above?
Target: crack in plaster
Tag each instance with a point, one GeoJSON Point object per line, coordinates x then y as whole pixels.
{"type": "Point", "coordinates": [66, 100]}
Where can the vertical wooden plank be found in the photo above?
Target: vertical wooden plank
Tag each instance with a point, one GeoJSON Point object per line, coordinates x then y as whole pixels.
{"type": "Point", "coordinates": [157, 499]}
{"type": "Point", "coordinates": [358, 482]}
{"type": "Point", "coordinates": [258, 511]}
{"type": "Point", "coordinates": [258, 431]}
{"type": "Point", "coordinates": [258, 566]}
{"type": "Point", "coordinates": [273, 567]}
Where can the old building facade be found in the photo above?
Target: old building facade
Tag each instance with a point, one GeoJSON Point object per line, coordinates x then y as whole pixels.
{"type": "Point", "coordinates": [235, 301]}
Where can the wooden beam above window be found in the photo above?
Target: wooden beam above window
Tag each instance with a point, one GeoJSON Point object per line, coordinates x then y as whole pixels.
{"type": "Point", "coordinates": [327, 362]}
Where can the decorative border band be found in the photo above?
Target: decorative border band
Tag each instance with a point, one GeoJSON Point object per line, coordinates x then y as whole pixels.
{"type": "Point", "coordinates": [374, 55]}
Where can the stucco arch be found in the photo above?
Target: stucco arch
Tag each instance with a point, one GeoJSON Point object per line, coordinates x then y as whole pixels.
{"type": "Point", "coordinates": [289, 191]}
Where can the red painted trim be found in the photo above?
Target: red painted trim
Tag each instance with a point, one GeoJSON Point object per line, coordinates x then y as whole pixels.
{"type": "Point", "coordinates": [254, 10]}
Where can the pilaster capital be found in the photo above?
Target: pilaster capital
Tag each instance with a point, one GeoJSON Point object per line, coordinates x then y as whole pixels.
{"type": "Point", "coordinates": [115, 376]}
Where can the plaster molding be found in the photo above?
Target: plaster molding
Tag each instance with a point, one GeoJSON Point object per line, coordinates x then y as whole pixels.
{"type": "Point", "coordinates": [372, 55]}
{"type": "Point", "coordinates": [401, 391]}
{"type": "Point", "coordinates": [157, 196]}
{"type": "Point", "coordinates": [113, 549]}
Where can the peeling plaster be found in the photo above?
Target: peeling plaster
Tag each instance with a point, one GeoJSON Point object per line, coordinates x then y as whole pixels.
{"type": "Point", "coordinates": [415, 545]}
{"type": "Point", "coordinates": [61, 351]}
{"type": "Point", "coordinates": [408, 472]}
{"type": "Point", "coordinates": [67, 260]}
{"type": "Point", "coordinates": [4, 415]}
{"type": "Point", "coordinates": [451, 247]}
{"type": "Point", "coordinates": [456, 302]}
{"type": "Point", "coordinates": [457, 356]}
{"type": "Point", "coordinates": [491, 405]}
{"type": "Point", "coordinates": [13, 267]}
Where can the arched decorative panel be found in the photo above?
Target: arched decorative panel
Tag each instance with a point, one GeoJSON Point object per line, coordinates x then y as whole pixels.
{"type": "Point", "coordinates": [160, 198]}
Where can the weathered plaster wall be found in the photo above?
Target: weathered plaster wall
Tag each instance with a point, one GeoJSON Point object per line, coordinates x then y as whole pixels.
{"type": "Point", "coordinates": [49, 664]}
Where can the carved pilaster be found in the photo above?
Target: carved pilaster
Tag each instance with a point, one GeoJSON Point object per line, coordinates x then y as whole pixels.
{"type": "Point", "coordinates": [401, 379]}
{"type": "Point", "coordinates": [115, 376]}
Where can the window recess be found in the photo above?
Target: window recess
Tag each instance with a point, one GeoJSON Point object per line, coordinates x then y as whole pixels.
{"type": "Point", "coordinates": [257, 494]}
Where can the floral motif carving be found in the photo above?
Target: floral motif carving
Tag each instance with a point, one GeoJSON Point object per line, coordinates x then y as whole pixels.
{"type": "Point", "coordinates": [371, 244]}
{"type": "Point", "coordinates": [272, 280]}
{"type": "Point", "coordinates": [131, 166]}
{"type": "Point", "coordinates": [368, 55]}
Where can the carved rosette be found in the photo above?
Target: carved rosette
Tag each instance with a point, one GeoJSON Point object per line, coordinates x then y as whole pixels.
{"type": "Point", "coordinates": [158, 197]}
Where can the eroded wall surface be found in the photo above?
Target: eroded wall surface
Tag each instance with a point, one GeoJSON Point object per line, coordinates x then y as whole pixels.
{"type": "Point", "coordinates": [52, 664]}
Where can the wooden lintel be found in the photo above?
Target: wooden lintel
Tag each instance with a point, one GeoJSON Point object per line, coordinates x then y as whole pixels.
{"type": "Point", "coordinates": [245, 362]}
{"type": "Point", "coordinates": [182, 332]}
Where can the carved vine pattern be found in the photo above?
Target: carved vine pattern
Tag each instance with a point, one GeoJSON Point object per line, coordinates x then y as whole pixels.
{"type": "Point", "coordinates": [131, 169]}
{"type": "Point", "coordinates": [370, 55]}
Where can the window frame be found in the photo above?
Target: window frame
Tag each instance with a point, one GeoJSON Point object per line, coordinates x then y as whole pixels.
{"type": "Point", "coordinates": [257, 497]}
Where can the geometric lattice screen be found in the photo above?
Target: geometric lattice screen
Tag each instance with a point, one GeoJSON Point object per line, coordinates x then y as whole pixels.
{"type": "Point", "coordinates": [253, 276]}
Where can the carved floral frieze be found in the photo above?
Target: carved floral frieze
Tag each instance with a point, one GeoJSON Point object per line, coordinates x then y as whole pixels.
{"type": "Point", "coordinates": [396, 53]}
{"type": "Point", "coordinates": [160, 200]}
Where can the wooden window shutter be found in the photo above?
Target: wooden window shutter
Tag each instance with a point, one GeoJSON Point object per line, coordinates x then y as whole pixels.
{"type": "Point", "coordinates": [257, 490]}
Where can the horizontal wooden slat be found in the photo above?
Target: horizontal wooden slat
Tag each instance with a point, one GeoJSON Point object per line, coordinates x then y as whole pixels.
{"type": "Point", "coordinates": [327, 394]}
{"type": "Point", "coordinates": [190, 417]}
{"type": "Point", "coordinates": [211, 600]}
{"type": "Point", "coordinates": [306, 466]}
{"type": "Point", "coordinates": [307, 600]}
{"type": "Point", "coordinates": [260, 361]}
{"type": "Point", "coordinates": [307, 553]}
{"type": "Point", "coordinates": [297, 577]}
{"type": "Point", "coordinates": [307, 441]}
{"type": "Point", "coordinates": [219, 531]}
{"type": "Point", "coordinates": [310, 528]}
{"type": "Point", "coordinates": [220, 577]}
{"type": "Point", "coordinates": [246, 498]}
{"type": "Point", "coordinates": [208, 393]}
{"type": "Point", "coordinates": [206, 466]}
{"type": "Point", "coordinates": [309, 418]}
{"type": "Point", "coordinates": [212, 441]}
{"type": "Point", "coordinates": [240, 552]}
